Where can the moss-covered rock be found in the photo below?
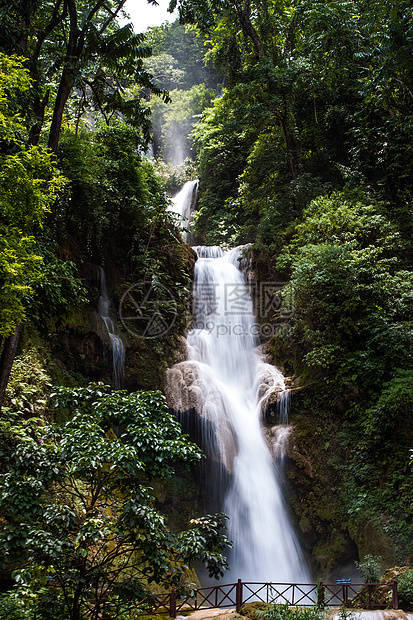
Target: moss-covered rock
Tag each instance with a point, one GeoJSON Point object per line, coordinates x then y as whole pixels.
{"type": "Point", "coordinates": [371, 539]}
{"type": "Point", "coordinates": [320, 490]}
{"type": "Point", "coordinates": [248, 609]}
{"type": "Point", "coordinates": [82, 344]}
{"type": "Point", "coordinates": [313, 486]}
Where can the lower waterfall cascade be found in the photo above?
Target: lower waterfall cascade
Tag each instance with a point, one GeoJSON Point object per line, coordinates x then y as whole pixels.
{"type": "Point", "coordinates": [228, 384]}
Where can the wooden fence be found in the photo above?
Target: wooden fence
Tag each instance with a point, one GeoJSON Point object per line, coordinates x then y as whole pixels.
{"type": "Point", "coordinates": [367, 596]}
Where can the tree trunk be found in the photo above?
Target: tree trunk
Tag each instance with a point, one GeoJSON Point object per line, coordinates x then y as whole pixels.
{"type": "Point", "coordinates": [290, 147]}
{"type": "Point", "coordinates": [65, 87]}
{"type": "Point", "coordinates": [73, 52]}
{"type": "Point", "coordinates": [7, 359]}
{"type": "Point", "coordinates": [39, 107]}
{"type": "Point", "coordinates": [79, 591]}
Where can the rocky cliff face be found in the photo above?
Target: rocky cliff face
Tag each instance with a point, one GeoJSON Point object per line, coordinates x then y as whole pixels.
{"type": "Point", "coordinates": [82, 343]}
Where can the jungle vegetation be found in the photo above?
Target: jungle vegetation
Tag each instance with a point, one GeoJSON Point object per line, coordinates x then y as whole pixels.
{"type": "Point", "coordinates": [298, 118]}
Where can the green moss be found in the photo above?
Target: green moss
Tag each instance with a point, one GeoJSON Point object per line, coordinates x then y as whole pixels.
{"type": "Point", "coordinates": [248, 609]}
{"type": "Point", "coordinates": [371, 539]}
{"type": "Point", "coordinates": [305, 524]}
{"type": "Point", "coordinates": [314, 484]}
{"type": "Point", "coordinates": [329, 551]}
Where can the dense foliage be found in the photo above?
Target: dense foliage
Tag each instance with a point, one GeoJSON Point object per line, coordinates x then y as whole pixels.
{"type": "Point", "coordinates": [79, 526]}
{"type": "Point", "coordinates": [97, 200]}
{"type": "Point", "coordinates": [405, 590]}
{"type": "Point", "coordinates": [299, 115]}
{"type": "Point", "coordinates": [177, 59]}
{"type": "Point", "coordinates": [27, 192]}
{"type": "Point", "coordinates": [78, 513]}
{"type": "Point", "coordinates": [79, 58]}
{"type": "Point", "coordinates": [312, 105]}
{"type": "Point", "coordinates": [351, 293]}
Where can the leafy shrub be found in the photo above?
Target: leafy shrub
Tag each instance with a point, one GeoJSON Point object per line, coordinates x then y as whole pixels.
{"type": "Point", "coordinates": [370, 568]}
{"type": "Point", "coordinates": [405, 589]}
{"type": "Point", "coordinates": [285, 612]}
{"type": "Point", "coordinates": [77, 513]}
{"type": "Point", "coordinates": [11, 608]}
{"type": "Point", "coordinates": [30, 383]}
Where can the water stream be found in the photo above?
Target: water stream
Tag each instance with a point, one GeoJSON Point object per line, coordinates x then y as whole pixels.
{"type": "Point", "coordinates": [183, 203]}
{"type": "Point", "coordinates": [225, 384]}
{"type": "Point", "coordinates": [234, 382]}
{"type": "Point", "coordinates": [118, 350]}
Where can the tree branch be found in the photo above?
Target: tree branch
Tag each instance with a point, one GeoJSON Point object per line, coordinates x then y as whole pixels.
{"type": "Point", "coordinates": [244, 16]}
{"type": "Point", "coordinates": [113, 15]}
{"type": "Point", "coordinates": [53, 23]}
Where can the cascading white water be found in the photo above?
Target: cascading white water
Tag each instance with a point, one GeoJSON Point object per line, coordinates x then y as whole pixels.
{"type": "Point", "coordinates": [228, 384]}
{"type": "Point", "coordinates": [284, 406]}
{"type": "Point", "coordinates": [232, 382]}
{"type": "Point", "coordinates": [118, 350]}
{"type": "Point", "coordinates": [183, 204]}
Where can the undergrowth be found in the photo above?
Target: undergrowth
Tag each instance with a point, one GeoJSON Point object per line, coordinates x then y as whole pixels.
{"type": "Point", "coordinates": [281, 612]}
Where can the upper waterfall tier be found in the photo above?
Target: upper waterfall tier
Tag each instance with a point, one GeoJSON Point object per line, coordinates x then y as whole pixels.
{"type": "Point", "coordinates": [184, 205]}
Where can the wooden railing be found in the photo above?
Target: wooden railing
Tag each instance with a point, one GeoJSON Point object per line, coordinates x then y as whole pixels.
{"type": "Point", "coordinates": [367, 596]}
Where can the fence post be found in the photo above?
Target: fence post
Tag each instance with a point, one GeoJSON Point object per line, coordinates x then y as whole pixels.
{"type": "Point", "coordinates": [320, 594]}
{"type": "Point", "coordinates": [172, 604]}
{"type": "Point", "coordinates": [238, 595]}
{"type": "Point", "coordinates": [395, 596]}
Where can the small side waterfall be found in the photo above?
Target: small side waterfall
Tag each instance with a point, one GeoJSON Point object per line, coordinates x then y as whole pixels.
{"type": "Point", "coordinates": [118, 350]}
{"type": "Point", "coordinates": [283, 406]}
{"type": "Point", "coordinates": [228, 384]}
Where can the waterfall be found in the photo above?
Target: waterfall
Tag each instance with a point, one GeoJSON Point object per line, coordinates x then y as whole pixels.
{"type": "Point", "coordinates": [283, 406]}
{"type": "Point", "coordinates": [227, 383]}
{"type": "Point", "coordinates": [118, 350]}
{"type": "Point", "coordinates": [183, 203]}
